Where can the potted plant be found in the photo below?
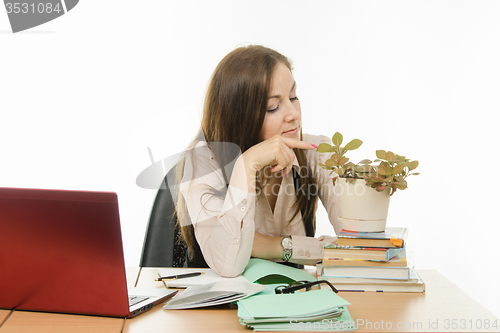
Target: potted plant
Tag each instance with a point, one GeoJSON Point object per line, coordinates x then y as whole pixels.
{"type": "Point", "coordinates": [365, 188]}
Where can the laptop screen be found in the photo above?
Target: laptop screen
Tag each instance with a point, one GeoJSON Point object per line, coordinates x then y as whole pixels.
{"type": "Point", "coordinates": [61, 251]}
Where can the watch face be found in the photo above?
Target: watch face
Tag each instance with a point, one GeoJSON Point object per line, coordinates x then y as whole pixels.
{"type": "Point", "coordinates": [287, 243]}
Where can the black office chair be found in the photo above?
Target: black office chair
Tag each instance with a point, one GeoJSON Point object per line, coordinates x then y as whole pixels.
{"type": "Point", "coordinates": [163, 246]}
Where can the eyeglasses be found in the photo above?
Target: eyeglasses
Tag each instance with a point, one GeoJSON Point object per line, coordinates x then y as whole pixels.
{"type": "Point", "coordinates": [297, 285]}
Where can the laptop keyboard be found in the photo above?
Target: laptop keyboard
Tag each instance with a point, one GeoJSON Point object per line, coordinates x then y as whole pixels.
{"type": "Point", "coordinates": [133, 300]}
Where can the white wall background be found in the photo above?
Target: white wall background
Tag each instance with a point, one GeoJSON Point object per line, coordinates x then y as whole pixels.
{"type": "Point", "coordinates": [83, 96]}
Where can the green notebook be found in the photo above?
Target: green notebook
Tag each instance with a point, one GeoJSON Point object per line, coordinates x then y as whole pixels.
{"type": "Point", "coordinates": [292, 305]}
{"type": "Point", "coordinates": [267, 272]}
{"type": "Point", "coordinates": [313, 310]}
{"type": "Point", "coordinates": [340, 324]}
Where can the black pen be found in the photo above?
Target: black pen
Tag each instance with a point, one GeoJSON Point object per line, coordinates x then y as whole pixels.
{"type": "Point", "coordinates": [180, 276]}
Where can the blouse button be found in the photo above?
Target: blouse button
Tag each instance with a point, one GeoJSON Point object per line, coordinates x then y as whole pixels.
{"type": "Point", "coordinates": [236, 241]}
{"type": "Point", "coordinates": [242, 208]}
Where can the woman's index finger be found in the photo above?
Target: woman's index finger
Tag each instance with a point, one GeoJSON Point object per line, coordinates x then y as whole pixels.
{"type": "Point", "coordinates": [295, 143]}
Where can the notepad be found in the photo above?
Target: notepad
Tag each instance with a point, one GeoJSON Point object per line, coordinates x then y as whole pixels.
{"type": "Point", "coordinates": [214, 293]}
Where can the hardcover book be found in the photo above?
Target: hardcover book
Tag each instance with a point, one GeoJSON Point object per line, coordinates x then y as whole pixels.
{"type": "Point", "coordinates": [392, 237]}
{"type": "Point", "coordinates": [398, 260]}
{"type": "Point", "coordinates": [335, 251]}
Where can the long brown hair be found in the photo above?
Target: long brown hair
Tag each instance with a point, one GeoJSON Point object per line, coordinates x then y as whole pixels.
{"type": "Point", "coordinates": [234, 109]}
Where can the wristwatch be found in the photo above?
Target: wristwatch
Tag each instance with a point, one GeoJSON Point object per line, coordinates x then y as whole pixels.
{"type": "Point", "coordinates": [287, 247]}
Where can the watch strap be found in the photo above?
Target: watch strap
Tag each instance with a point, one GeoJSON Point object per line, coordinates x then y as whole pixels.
{"type": "Point", "coordinates": [287, 251]}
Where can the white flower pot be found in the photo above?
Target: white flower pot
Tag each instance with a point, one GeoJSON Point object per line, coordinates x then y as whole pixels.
{"type": "Point", "coordinates": [362, 207]}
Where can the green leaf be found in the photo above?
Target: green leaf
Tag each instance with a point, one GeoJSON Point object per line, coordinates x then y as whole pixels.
{"type": "Point", "coordinates": [337, 139]}
{"type": "Point", "coordinates": [365, 161]}
{"type": "Point", "coordinates": [393, 190]}
{"type": "Point", "coordinates": [380, 188]}
{"type": "Point", "coordinates": [374, 181]}
{"type": "Point", "coordinates": [384, 169]}
{"type": "Point", "coordinates": [330, 162]}
{"type": "Point", "coordinates": [401, 181]}
{"type": "Point", "coordinates": [325, 148]}
{"type": "Point", "coordinates": [363, 168]}
{"type": "Point", "coordinates": [388, 179]}
{"type": "Point", "coordinates": [389, 156]}
{"type": "Point", "coordinates": [399, 186]}
{"type": "Point", "coordinates": [336, 159]}
{"type": "Point", "coordinates": [343, 161]}
{"type": "Point", "coordinates": [400, 159]}
{"type": "Point", "coordinates": [398, 169]}
{"type": "Point", "coordinates": [353, 144]}
{"type": "Point", "coordinates": [381, 154]}
{"type": "Point", "coordinates": [413, 165]}
{"type": "Point", "coordinates": [404, 183]}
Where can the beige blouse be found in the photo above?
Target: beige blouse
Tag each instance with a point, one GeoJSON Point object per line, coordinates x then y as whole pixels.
{"type": "Point", "coordinates": [225, 222]}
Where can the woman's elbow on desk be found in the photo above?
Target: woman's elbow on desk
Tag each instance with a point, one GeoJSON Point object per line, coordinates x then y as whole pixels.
{"type": "Point", "coordinates": [228, 256]}
{"type": "Point", "coordinates": [228, 271]}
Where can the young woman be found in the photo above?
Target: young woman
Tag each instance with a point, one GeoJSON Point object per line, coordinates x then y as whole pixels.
{"type": "Point", "coordinates": [249, 185]}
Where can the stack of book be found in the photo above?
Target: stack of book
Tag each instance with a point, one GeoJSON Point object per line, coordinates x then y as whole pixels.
{"type": "Point", "coordinates": [376, 261]}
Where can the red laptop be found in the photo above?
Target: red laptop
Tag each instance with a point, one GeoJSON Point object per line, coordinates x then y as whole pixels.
{"type": "Point", "coordinates": [61, 251]}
